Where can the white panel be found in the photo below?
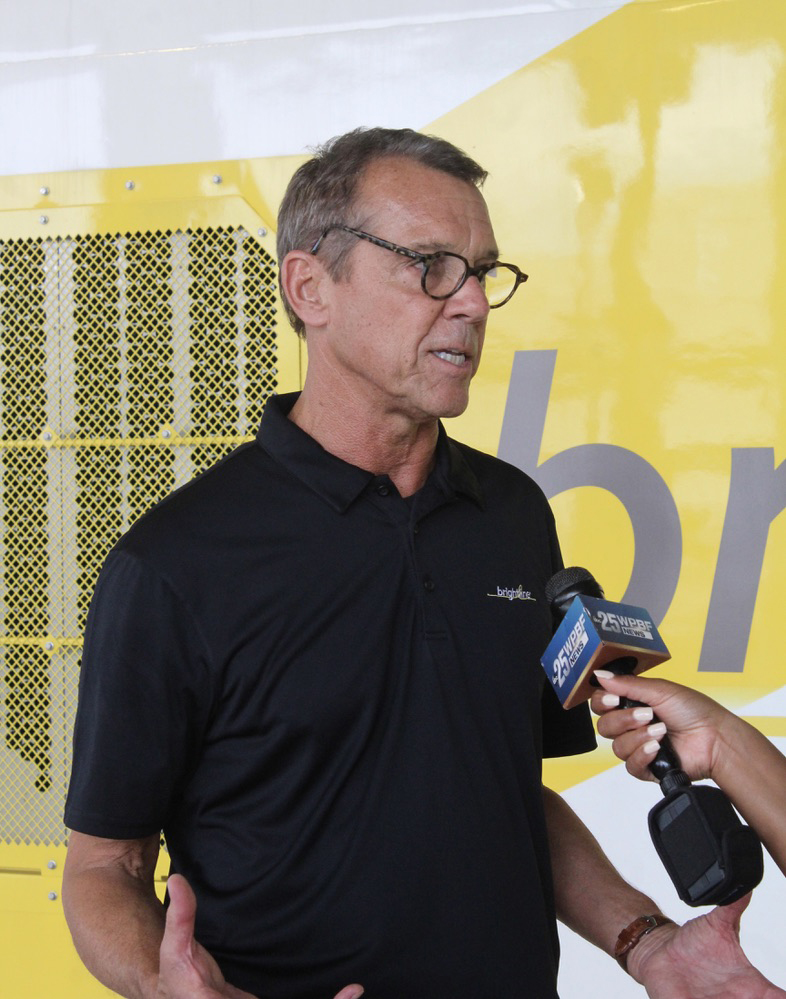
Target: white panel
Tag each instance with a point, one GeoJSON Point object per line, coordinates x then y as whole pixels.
{"type": "Point", "coordinates": [89, 84]}
{"type": "Point", "coordinates": [772, 705]}
{"type": "Point", "coordinates": [615, 806]}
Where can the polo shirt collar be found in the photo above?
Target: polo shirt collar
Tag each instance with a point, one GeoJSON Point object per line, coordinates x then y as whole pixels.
{"type": "Point", "coordinates": [453, 472]}
{"type": "Point", "coordinates": [337, 481]}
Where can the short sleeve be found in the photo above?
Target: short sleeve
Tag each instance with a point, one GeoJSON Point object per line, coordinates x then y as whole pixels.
{"type": "Point", "coordinates": [144, 695]}
{"type": "Point", "coordinates": [565, 733]}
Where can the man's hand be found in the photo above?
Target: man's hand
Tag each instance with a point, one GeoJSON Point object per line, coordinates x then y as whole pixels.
{"type": "Point", "coordinates": [701, 960]}
{"type": "Point", "coordinates": [186, 969]}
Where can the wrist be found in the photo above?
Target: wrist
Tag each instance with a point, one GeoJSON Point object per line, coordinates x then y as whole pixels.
{"type": "Point", "coordinates": [632, 936]}
{"type": "Point", "coordinates": [734, 746]}
{"type": "Point", "coordinates": [149, 987]}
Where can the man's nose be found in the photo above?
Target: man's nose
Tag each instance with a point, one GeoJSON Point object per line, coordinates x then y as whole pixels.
{"type": "Point", "coordinates": [470, 300]}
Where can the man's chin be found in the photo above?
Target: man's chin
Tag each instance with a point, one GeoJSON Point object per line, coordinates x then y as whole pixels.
{"type": "Point", "coordinates": [453, 408]}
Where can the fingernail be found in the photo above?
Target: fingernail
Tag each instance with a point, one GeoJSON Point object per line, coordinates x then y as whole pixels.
{"type": "Point", "coordinates": [650, 748]}
{"type": "Point", "coordinates": [657, 730]}
{"type": "Point", "coordinates": [610, 700]}
{"type": "Point", "coordinates": [642, 714]}
{"type": "Point", "coordinates": [604, 674]}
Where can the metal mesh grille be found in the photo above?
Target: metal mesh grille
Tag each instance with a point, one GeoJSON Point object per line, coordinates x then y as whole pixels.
{"type": "Point", "coordinates": [128, 364]}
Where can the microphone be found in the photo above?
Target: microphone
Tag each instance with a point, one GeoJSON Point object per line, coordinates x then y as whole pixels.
{"type": "Point", "coordinates": [592, 632]}
{"type": "Point", "coordinates": [710, 855]}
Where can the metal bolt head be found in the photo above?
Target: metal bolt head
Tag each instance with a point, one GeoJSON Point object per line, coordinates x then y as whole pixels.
{"type": "Point", "coordinates": [130, 185]}
{"type": "Point", "coordinates": [43, 219]}
{"type": "Point", "coordinates": [217, 178]}
{"type": "Point", "coordinates": [52, 896]}
{"type": "Point", "coordinates": [47, 435]}
{"type": "Point", "coordinates": [262, 232]}
{"type": "Point", "coordinates": [51, 864]}
{"type": "Point", "coordinates": [49, 646]}
{"type": "Point", "coordinates": [43, 190]}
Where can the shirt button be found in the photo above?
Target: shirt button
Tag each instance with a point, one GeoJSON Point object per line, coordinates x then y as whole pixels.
{"type": "Point", "coordinates": [383, 490]}
{"type": "Point", "coordinates": [429, 585]}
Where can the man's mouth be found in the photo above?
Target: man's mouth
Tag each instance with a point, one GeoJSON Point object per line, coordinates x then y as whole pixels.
{"type": "Point", "coordinates": [456, 357]}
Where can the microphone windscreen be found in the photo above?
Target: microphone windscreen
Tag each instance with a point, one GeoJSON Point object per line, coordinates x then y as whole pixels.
{"type": "Point", "coordinates": [567, 584]}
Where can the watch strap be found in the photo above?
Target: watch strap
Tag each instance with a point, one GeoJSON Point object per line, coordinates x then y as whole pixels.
{"type": "Point", "coordinates": [632, 933]}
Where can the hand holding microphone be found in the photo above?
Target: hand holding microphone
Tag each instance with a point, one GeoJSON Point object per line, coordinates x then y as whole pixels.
{"type": "Point", "coordinates": [699, 727]}
{"type": "Point", "coordinates": [711, 857]}
{"type": "Point", "coordinates": [712, 741]}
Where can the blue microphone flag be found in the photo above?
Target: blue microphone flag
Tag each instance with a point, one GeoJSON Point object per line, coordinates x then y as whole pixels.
{"type": "Point", "coordinates": [592, 634]}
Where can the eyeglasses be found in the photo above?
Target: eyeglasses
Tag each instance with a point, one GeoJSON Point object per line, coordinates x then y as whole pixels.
{"type": "Point", "coordinates": [445, 273]}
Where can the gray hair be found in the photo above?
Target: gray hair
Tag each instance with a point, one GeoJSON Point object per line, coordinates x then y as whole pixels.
{"type": "Point", "coordinates": [322, 191]}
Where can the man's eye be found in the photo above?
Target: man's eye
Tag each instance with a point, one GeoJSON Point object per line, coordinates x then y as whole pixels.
{"type": "Point", "coordinates": [439, 267]}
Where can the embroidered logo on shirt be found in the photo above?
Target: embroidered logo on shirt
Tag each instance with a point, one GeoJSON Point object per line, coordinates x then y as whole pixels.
{"type": "Point", "coordinates": [509, 593]}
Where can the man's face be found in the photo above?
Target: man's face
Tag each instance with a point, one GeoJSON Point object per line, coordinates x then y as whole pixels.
{"type": "Point", "coordinates": [402, 351]}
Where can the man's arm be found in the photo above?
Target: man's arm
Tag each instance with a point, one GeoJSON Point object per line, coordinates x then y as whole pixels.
{"type": "Point", "coordinates": [590, 896]}
{"type": "Point", "coordinates": [112, 911]}
{"type": "Point", "coordinates": [120, 930]}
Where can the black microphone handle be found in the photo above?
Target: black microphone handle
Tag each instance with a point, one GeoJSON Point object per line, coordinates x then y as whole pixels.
{"type": "Point", "coordinates": [666, 766]}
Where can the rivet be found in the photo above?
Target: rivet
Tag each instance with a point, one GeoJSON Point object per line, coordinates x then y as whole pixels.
{"type": "Point", "coordinates": [262, 232]}
{"type": "Point", "coordinates": [51, 864]}
{"type": "Point", "coordinates": [130, 185]}
{"type": "Point", "coordinates": [43, 219]}
{"type": "Point", "coordinates": [217, 178]}
{"type": "Point", "coordinates": [43, 190]}
{"type": "Point", "coordinates": [49, 646]}
{"type": "Point", "coordinates": [52, 896]}
{"type": "Point", "coordinates": [166, 433]}
{"type": "Point", "coordinates": [47, 435]}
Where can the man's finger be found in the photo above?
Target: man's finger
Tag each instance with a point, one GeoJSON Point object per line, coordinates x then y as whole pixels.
{"type": "Point", "coordinates": [180, 916]}
{"type": "Point", "coordinates": [350, 992]}
{"type": "Point", "coordinates": [730, 915]}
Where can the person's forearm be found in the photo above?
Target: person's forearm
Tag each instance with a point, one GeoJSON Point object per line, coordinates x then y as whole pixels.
{"type": "Point", "coordinates": [116, 929]}
{"type": "Point", "coordinates": [753, 774]}
{"type": "Point", "coordinates": [116, 922]}
{"type": "Point", "coordinates": [591, 897]}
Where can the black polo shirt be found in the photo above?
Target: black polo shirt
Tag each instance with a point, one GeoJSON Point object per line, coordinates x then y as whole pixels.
{"type": "Point", "coordinates": [330, 699]}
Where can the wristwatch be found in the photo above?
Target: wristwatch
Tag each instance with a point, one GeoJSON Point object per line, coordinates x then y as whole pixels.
{"type": "Point", "coordinates": [631, 935]}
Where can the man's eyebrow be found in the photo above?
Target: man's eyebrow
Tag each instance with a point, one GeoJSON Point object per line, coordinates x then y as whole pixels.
{"type": "Point", "coordinates": [431, 247]}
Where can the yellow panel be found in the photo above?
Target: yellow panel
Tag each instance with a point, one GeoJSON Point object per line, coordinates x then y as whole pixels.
{"type": "Point", "coordinates": [637, 175]}
{"type": "Point", "coordinates": [140, 333]}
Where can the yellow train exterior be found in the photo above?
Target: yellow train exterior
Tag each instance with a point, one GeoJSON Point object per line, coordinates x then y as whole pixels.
{"type": "Point", "coordinates": [636, 172]}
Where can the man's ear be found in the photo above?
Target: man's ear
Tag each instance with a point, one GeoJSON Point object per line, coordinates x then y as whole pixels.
{"type": "Point", "coordinates": [303, 280]}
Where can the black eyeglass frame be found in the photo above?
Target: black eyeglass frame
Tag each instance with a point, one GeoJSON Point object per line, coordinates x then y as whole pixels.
{"type": "Point", "coordinates": [427, 258]}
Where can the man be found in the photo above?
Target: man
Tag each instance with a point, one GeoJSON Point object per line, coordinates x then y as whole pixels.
{"type": "Point", "coordinates": [298, 665]}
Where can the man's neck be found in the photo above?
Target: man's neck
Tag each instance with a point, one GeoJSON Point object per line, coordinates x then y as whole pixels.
{"type": "Point", "coordinates": [385, 444]}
